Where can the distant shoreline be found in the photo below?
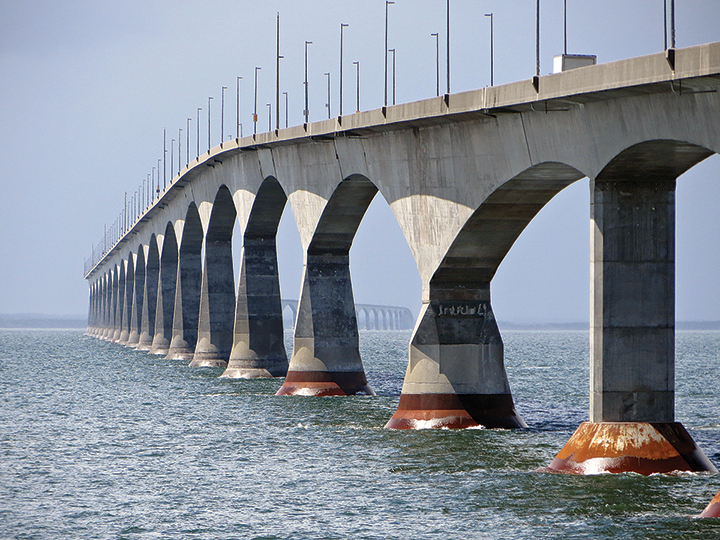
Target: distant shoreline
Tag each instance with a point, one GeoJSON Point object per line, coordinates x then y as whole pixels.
{"type": "Point", "coordinates": [80, 322]}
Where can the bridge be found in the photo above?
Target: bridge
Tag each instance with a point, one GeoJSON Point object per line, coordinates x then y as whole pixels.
{"type": "Point", "coordinates": [464, 174]}
{"type": "Point", "coordinates": [369, 316]}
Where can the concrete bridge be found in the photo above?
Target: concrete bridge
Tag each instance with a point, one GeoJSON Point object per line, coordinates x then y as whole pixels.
{"type": "Point", "coordinates": [369, 316]}
{"type": "Point", "coordinates": [464, 174]}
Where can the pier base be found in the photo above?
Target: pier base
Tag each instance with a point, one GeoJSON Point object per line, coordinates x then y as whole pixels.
{"type": "Point", "coordinates": [640, 447]}
{"type": "Point", "coordinates": [713, 509]}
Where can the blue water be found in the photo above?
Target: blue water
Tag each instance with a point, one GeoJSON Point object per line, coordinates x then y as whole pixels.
{"type": "Point", "coordinates": [100, 441]}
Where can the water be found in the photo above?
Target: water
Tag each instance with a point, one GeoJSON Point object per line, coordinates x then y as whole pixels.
{"type": "Point", "coordinates": [99, 441]}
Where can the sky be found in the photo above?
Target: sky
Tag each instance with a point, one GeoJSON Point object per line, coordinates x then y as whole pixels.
{"type": "Point", "coordinates": [87, 87]}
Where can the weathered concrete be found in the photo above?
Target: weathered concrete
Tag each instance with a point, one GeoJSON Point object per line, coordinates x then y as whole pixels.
{"type": "Point", "coordinates": [167, 278]}
{"type": "Point", "coordinates": [138, 300]}
{"type": "Point", "coordinates": [713, 509]}
{"type": "Point", "coordinates": [127, 300]}
{"type": "Point", "coordinates": [147, 323]}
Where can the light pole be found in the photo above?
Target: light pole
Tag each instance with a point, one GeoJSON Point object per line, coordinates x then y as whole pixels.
{"type": "Point", "coordinates": [342, 26]}
{"type": "Point", "coordinates": [537, 39]}
{"type": "Point", "coordinates": [255, 116]}
{"type": "Point", "coordinates": [209, 100]}
{"type": "Point", "coordinates": [187, 142]}
{"type": "Point", "coordinates": [307, 105]}
{"type": "Point", "coordinates": [158, 183]}
{"type": "Point", "coordinates": [198, 132]}
{"type": "Point", "coordinates": [269, 106]}
{"type": "Point", "coordinates": [328, 101]}
{"type": "Point", "coordinates": [172, 156]}
{"type": "Point", "coordinates": [387, 4]}
{"type": "Point", "coordinates": [237, 110]}
{"type": "Point", "coordinates": [436, 35]}
{"type": "Point", "coordinates": [564, 26]}
{"type": "Point", "coordinates": [357, 86]}
{"type": "Point", "coordinates": [277, 75]}
{"type": "Point", "coordinates": [393, 77]}
{"type": "Point", "coordinates": [448, 45]}
{"type": "Point", "coordinates": [179, 149]}
{"type": "Point", "coordinates": [286, 108]}
{"type": "Point", "coordinates": [164, 158]}
{"type": "Point", "coordinates": [492, 81]}
{"type": "Point", "coordinates": [222, 115]}
{"type": "Point", "coordinates": [153, 182]}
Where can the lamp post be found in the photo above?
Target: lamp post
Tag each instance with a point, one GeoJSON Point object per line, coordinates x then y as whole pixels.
{"type": "Point", "coordinates": [269, 106]}
{"type": "Point", "coordinates": [286, 108]}
{"type": "Point", "coordinates": [152, 189]}
{"type": "Point", "coordinates": [537, 39]}
{"type": "Point", "coordinates": [158, 182]}
{"type": "Point", "coordinates": [448, 45]}
{"type": "Point", "coordinates": [179, 149]}
{"type": "Point", "coordinates": [164, 158]}
{"type": "Point", "coordinates": [222, 115]}
{"type": "Point", "coordinates": [307, 105]}
{"type": "Point", "coordinates": [342, 26]}
{"type": "Point", "coordinates": [255, 116]}
{"type": "Point", "coordinates": [436, 35]}
{"type": "Point", "coordinates": [237, 110]}
{"type": "Point", "coordinates": [393, 77]}
{"type": "Point", "coordinates": [277, 75]}
{"type": "Point", "coordinates": [198, 132]}
{"type": "Point", "coordinates": [187, 141]}
{"type": "Point", "coordinates": [328, 101]}
{"type": "Point", "coordinates": [209, 100]}
{"type": "Point", "coordinates": [492, 82]}
{"type": "Point", "coordinates": [172, 156]}
{"type": "Point", "coordinates": [357, 86]}
{"type": "Point", "coordinates": [387, 4]}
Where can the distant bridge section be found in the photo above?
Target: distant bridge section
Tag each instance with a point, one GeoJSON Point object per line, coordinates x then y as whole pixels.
{"type": "Point", "coordinates": [369, 316]}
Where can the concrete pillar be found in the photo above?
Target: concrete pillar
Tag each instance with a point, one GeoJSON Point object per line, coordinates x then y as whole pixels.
{"type": "Point", "coordinates": [258, 342]}
{"type": "Point", "coordinates": [217, 305]}
{"type": "Point", "coordinates": [713, 509]}
{"type": "Point", "coordinates": [127, 301]}
{"type": "Point", "coordinates": [326, 358]}
{"type": "Point", "coordinates": [187, 306]}
{"type": "Point", "coordinates": [632, 337]}
{"type": "Point", "coordinates": [165, 305]}
{"type": "Point", "coordinates": [138, 302]}
{"type": "Point", "coordinates": [456, 373]}
{"type": "Point", "coordinates": [147, 325]}
{"type": "Point", "coordinates": [118, 287]}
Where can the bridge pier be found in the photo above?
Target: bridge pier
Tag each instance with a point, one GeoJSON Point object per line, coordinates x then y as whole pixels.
{"type": "Point", "coordinates": [326, 355]}
{"type": "Point", "coordinates": [127, 301]}
{"type": "Point", "coordinates": [713, 509]}
{"type": "Point", "coordinates": [456, 374]}
{"type": "Point", "coordinates": [165, 305]}
{"type": "Point", "coordinates": [138, 301]}
{"type": "Point", "coordinates": [149, 312]}
{"type": "Point", "coordinates": [258, 342]}
{"type": "Point", "coordinates": [632, 355]}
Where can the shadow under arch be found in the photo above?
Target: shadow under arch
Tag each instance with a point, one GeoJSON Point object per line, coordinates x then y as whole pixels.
{"type": "Point", "coordinates": [217, 295]}
{"type": "Point", "coordinates": [258, 348]}
{"type": "Point", "coordinates": [326, 358]}
{"type": "Point", "coordinates": [187, 288]}
{"type": "Point", "coordinates": [118, 294]}
{"type": "Point", "coordinates": [152, 271]}
{"type": "Point", "coordinates": [138, 302]}
{"type": "Point", "coordinates": [456, 374]}
{"type": "Point", "coordinates": [127, 300]}
{"type": "Point", "coordinates": [165, 304]}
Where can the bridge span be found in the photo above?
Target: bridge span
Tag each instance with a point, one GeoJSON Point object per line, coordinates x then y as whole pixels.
{"type": "Point", "coordinates": [369, 316]}
{"type": "Point", "coordinates": [464, 174]}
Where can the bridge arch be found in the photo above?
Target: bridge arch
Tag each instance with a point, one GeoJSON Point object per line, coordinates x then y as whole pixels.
{"type": "Point", "coordinates": [149, 311]}
{"type": "Point", "coordinates": [127, 299]}
{"type": "Point", "coordinates": [138, 300]}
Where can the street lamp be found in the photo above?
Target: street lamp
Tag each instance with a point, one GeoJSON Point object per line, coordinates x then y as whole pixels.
{"type": "Point", "coordinates": [158, 182]}
{"type": "Point", "coordinates": [222, 115]}
{"type": "Point", "coordinates": [328, 101]}
{"type": "Point", "coordinates": [357, 86]}
{"type": "Point", "coordinates": [393, 77]}
{"type": "Point", "coordinates": [387, 4]}
{"type": "Point", "coordinates": [179, 149]}
{"type": "Point", "coordinates": [436, 35]}
{"type": "Point", "coordinates": [286, 108]}
{"type": "Point", "coordinates": [164, 158]}
{"type": "Point", "coordinates": [209, 100]}
{"type": "Point", "coordinates": [277, 75]}
{"type": "Point", "coordinates": [307, 106]}
{"type": "Point", "coordinates": [187, 142]}
{"type": "Point", "coordinates": [237, 109]}
{"type": "Point", "coordinates": [448, 45]}
{"type": "Point", "coordinates": [269, 106]}
{"type": "Point", "coordinates": [342, 26]}
{"type": "Point", "coordinates": [255, 116]}
{"type": "Point", "coordinates": [172, 156]}
{"type": "Point", "coordinates": [198, 132]}
{"type": "Point", "coordinates": [492, 81]}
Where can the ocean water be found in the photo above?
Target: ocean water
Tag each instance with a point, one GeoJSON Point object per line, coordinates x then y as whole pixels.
{"type": "Point", "coordinates": [100, 441]}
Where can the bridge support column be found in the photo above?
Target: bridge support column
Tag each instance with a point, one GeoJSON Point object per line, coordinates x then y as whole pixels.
{"type": "Point", "coordinates": [712, 509]}
{"type": "Point", "coordinates": [456, 373]}
{"type": "Point", "coordinates": [258, 344]}
{"type": "Point", "coordinates": [632, 335]}
{"type": "Point", "coordinates": [326, 356]}
{"type": "Point", "coordinates": [187, 301]}
{"type": "Point", "coordinates": [217, 304]}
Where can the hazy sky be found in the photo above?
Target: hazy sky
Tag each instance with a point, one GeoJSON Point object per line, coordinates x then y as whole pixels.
{"type": "Point", "coordinates": [87, 86]}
